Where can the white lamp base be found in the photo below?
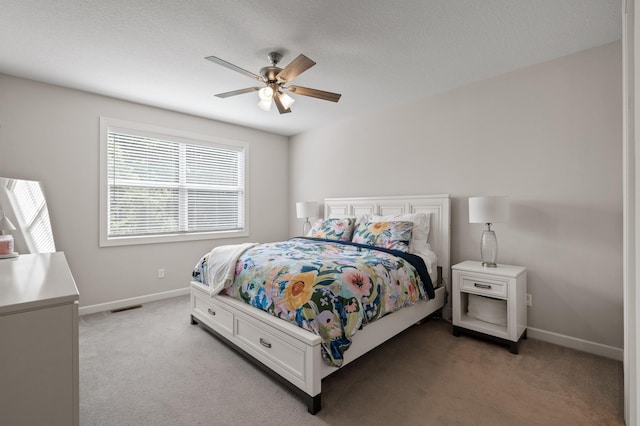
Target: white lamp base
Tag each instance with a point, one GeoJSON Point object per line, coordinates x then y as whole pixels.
{"type": "Point", "coordinates": [489, 248]}
{"type": "Point", "coordinates": [306, 227]}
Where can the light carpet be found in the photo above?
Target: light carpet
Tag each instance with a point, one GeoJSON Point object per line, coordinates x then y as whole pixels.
{"type": "Point", "coordinates": [149, 366]}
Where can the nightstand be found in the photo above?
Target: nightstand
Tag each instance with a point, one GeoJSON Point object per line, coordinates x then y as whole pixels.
{"type": "Point", "coordinates": [501, 309]}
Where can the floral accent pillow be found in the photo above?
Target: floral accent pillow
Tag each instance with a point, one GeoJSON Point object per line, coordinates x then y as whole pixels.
{"type": "Point", "coordinates": [392, 235]}
{"type": "Point", "coordinates": [333, 229]}
{"type": "Point", "coordinates": [420, 233]}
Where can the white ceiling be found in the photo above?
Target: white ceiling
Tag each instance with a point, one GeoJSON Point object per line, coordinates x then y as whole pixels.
{"type": "Point", "coordinates": [378, 53]}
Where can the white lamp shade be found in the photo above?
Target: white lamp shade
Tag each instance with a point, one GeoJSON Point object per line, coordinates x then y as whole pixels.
{"type": "Point", "coordinates": [265, 94]}
{"type": "Point", "coordinates": [265, 105]}
{"type": "Point", "coordinates": [286, 100]}
{"type": "Point", "coordinates": [488, 209]}
{"type": "Point", "coordinates": [306, 209]}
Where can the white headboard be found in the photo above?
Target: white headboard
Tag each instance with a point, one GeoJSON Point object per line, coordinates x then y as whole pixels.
{"type": "Point", "coordinates": [440, 218]}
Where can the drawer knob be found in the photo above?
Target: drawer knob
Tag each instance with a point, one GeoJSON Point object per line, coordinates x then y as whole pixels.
{"type": "Point", "coordinates": [485, 286]}
{"type": "Point", "coordinates": [265, 343]}
{"type": "Point", "coordinates": [211, 311]}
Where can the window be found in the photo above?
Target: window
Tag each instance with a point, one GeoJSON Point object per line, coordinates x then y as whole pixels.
{"type": "Point", "coordinates": [160, 185]}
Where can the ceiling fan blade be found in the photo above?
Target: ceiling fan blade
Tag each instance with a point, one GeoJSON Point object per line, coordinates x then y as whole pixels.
{"type": "Point", "coordinates": [295, 68]}
{"type": "Point", "coordinates": [237, 92]}
{"type": "Point", "coordinates": [278, 103]}
{"type": "Point", "coordinates": [315, 93]}
{"type": "Point", "coordinates": [233, 67]}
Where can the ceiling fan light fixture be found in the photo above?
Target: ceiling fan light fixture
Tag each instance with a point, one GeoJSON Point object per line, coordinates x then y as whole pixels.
{"type": "Point", "coordinates": [265, 105]}
{"type": "Point", "coordinates": [265, 94]}
{"type": "Point", "coordinates": [275, 79]}
{"type": "Point", "coordinates": [286, 100]}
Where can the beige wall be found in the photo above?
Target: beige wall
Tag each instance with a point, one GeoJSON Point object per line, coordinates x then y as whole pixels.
{"type": "Point", "coordinates": [548, 136]}
{"type": "Point", "coordinates": [51, 134]}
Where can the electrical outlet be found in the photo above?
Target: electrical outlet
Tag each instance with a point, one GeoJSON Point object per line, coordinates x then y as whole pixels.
{"type": "Point", "coordinates": [161, 273]}
{"type": "Point", "coordinates": [528, 299]}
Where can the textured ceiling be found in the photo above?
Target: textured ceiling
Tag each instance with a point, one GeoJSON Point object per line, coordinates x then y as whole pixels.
{"type": "Point", "coordinates": [378, 54]}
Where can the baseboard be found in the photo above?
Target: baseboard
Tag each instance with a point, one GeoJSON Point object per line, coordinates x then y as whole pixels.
{"type": "Point", "coordinates": [535, 333]}
{"type": "Point", "coordinates": [575, 343]}
{"type": "Point", "coordinates": [119, 304]}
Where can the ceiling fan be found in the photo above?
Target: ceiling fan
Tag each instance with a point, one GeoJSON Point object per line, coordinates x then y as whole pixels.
{"type": "Point", "coordinates": [275, 79]}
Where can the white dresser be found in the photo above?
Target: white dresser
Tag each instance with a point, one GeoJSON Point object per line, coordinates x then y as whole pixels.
{"type": "Point", "coordinates": [38, 341]}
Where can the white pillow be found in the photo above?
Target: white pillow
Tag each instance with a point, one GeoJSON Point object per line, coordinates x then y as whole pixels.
{"type": "Point", "coordinates": [421, 227]}
{"type": "Point", "coordinates": [431, 260]}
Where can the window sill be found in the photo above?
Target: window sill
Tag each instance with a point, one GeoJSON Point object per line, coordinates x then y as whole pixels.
{"type": "Point", "coordinates": [170, 238]}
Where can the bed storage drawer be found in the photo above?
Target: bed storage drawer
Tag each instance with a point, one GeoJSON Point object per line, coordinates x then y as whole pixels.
{"type": "Point", "coordinates": [287, 353]}
{"type": "Point", "coordinates": [213, 314]}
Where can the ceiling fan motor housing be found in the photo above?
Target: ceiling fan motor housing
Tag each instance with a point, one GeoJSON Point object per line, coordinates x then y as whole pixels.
{"type": "Point", "coordinates": [270, 73]}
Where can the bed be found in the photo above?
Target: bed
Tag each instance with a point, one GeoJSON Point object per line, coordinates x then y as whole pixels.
{"type": "Point", "coordinates": [300, 358]}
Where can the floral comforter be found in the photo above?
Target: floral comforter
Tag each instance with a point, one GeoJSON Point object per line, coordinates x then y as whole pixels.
{"type": "Point", "coordinates": [327, 287]}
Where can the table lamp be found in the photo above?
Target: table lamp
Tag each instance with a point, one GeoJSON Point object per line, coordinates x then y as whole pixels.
{"type": "Point", "coordinates": [488, 210]}
{"type": "Point", "coordinates": [305, 210]}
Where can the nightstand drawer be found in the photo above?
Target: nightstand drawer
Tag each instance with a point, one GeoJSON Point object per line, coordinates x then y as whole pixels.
{"type": "Point", "coordinates": [483, 286]}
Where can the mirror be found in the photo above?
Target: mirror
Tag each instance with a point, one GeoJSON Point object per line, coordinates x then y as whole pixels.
{"type": "Point", "coordinates": [24, 204]}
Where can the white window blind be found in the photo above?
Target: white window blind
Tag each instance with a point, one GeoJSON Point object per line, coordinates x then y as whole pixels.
{"type": "Point", "coordinates": [161, 185]}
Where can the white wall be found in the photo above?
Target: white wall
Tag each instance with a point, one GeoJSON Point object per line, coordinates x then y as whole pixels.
{"type": "Point", "coordinates": [548, 136]}
{"type": "Point", "coordinates": [51, 134]}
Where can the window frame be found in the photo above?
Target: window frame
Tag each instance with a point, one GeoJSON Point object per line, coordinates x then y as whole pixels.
{"type": "Point", "coordinates": [174, 135]}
